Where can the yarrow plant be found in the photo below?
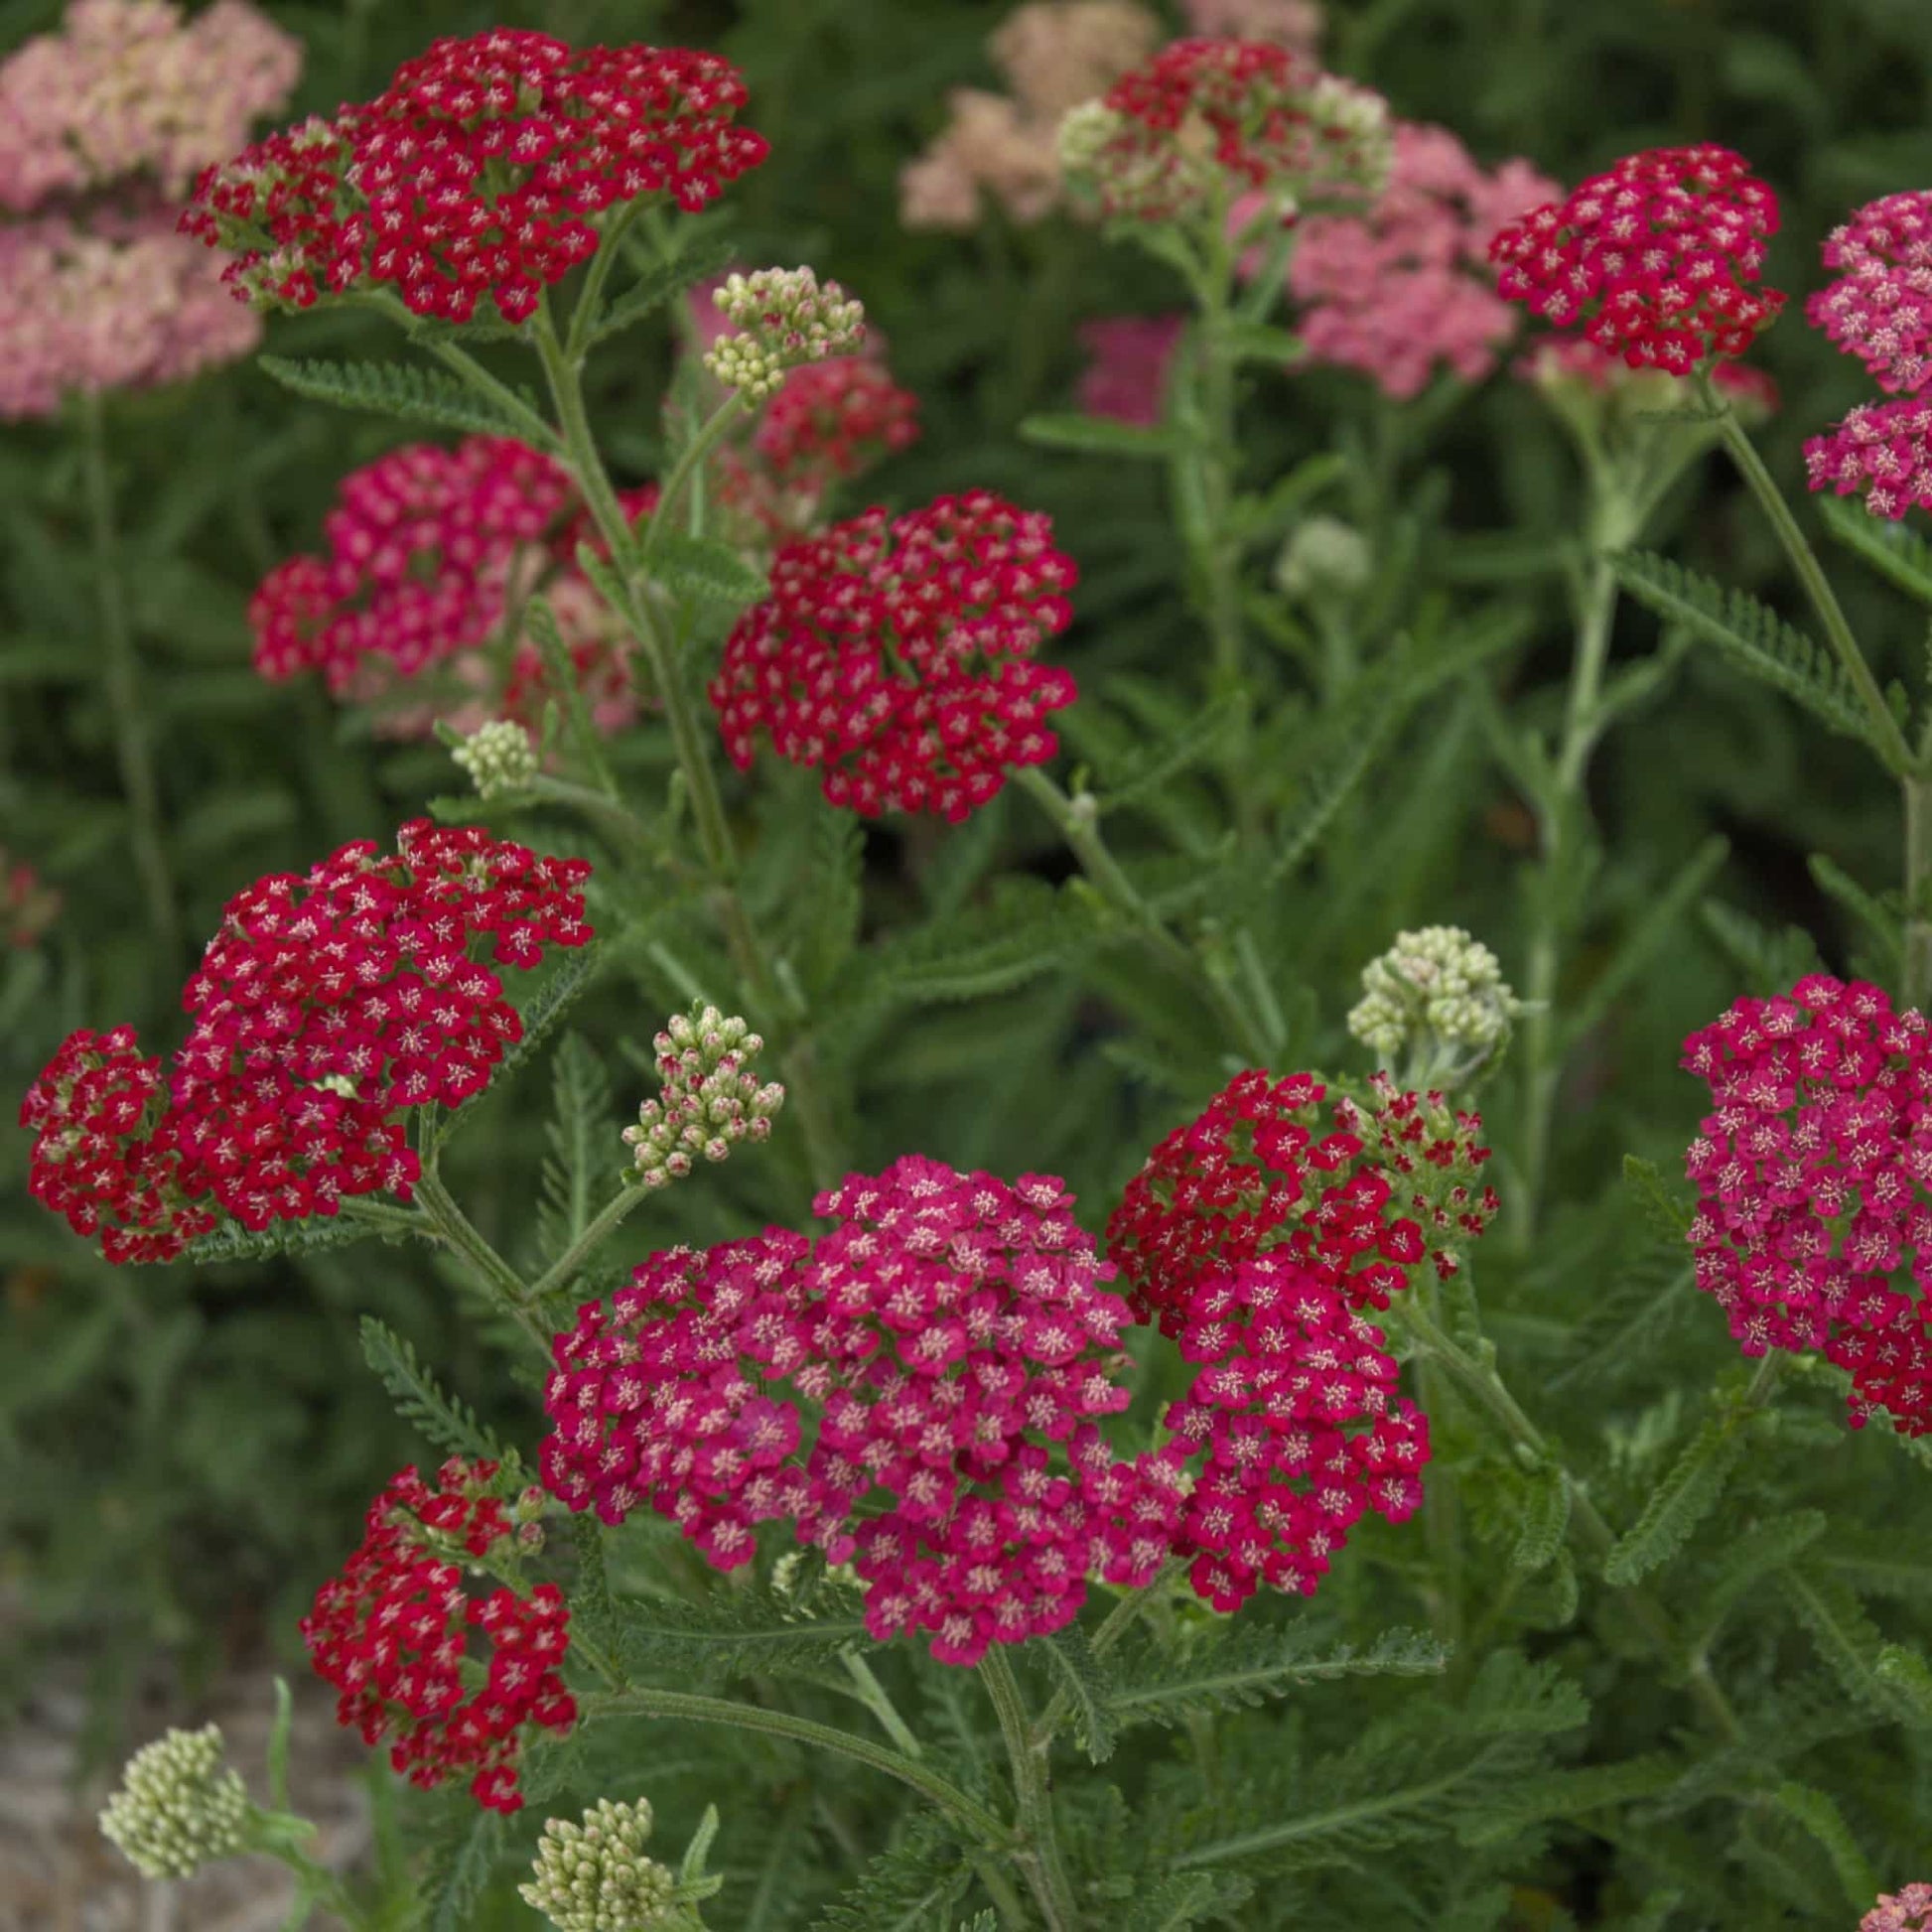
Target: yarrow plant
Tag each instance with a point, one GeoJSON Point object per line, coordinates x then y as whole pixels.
{"type": "Point", "coordinates": [871, 1481]}
{"type": "Point", "coordinates": [1909, 1910]}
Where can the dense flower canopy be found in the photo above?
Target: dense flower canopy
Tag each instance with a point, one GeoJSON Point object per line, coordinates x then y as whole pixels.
{"type": "Point", "coordinates": [1656, 260]}
{"type": "Point", "coordinates": [481, 168]}
{"type": "Point", "coordinates": [1881, 306]}
{"type": "Point", "coordinates": [895, 655]}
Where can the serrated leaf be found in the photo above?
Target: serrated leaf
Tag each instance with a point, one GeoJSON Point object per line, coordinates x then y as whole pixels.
{"type": "Point", "coordinates": [1750, 1557]}
{"type": "Point", "coordinates": [1881, 924]}
{"type": "Point", "coordinates": [1899, 554]}
{"type": "Point", "coordinates": [460, 1867]}
{"type": "Point", "coordinates": [704, 567]}
{"type": "Point", "coordinates": [1239, 1669]}
{"type": "Point", "coordinates": [1847, 1639]}
{"type": "Point", "coordinates": [730, 1633]}
{"type": "Point", "coordinates": [1664, 1210]}
{"type": "Point", "coordinates": [663, 284]}
{"type": "Point", "coordinates": [236, 1243]}
{"type": "Point", "coordinates": [1157, 765]}
{"type": "Point", "coordinates": [1188, 1899]}
{"type": "Point", "coordinates": [402, 390]}
{"type": "Point", "coordinates": [1262, 341]}
{"type": "Point", "coordinates": [443, 1420]}
{"type": "Point", "coordinates": [1753, 636]}
{"type": "Point", "coordinates": [1089, 1687]}
{"type": "Point", "coordinates": [1573, 1794]}
{"type": "Point", "coordinates": [1908, 1679]}
{"type": "Point", "coordinates": [1685, 1497]}
{"type": "Point", "coordinates": [1818, 1814]}
{"type": "Point", "coordinates": [1104, 436]}
{"type": "Point", "coordinates": [585, 1159]}
{"type": "Point", "coordinates": [908, 1888]}
{"type": "Point", "coordinates": [1546, 1520]}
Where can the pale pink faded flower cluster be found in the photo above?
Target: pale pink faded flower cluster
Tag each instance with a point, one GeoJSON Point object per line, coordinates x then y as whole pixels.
{"type": "Point", "coordinates": [1294, 24]}
{"type": "Point", "coordinates": [118, 302]}
{"type": "Point", "coordinates": [1575, 364]}
{"type": "Point", "coordinates": [1406, 287]}
{"type": "Point", "coordinates": [131, 87]}
{"type": "Point", "coordinates": [1052, 55]}
{"type": "Point", "coordinates": [1909, 1910]}
{"type": "Point", "coordinates": [1127, 379]}
{"type": "Point", "coordinates": [99, 125]}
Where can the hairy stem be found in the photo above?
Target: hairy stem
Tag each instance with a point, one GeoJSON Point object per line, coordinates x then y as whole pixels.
{"type": "Point", "coordinates": [489, 1269]}
{"type": "Point", "coordinates": [643, 1701]}
{"type": "Point", "coordinates": [875, 1696]}
{"type": "Point", "coordinates": [123, 682]}
{"type": "Point", "coordinates": [571, 1261]}
{"type": "Point", "coordinates": [1037, 1852]}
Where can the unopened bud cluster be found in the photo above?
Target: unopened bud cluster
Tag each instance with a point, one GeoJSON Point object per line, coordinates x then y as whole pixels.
{"type": "Point", "coordinates": [178, 1808]}
{"type": "Point", "coordinates": [595, 1878]}
{"type": "Point", "coordinates": [783, 318]}
{"type": "Point", "coordinates": [709, 1100]}
{"type": "Point", "coordinates": [1326, 557]}
{"type": "Point", "coordinates": [498, 757]}
{"type": "Point", "coordinates": [1436, 1003]}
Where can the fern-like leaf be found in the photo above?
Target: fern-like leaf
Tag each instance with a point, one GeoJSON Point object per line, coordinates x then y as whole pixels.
{"type": "Point", "coordinates": [1686, 1496]}
{"type": "Point", "coordinates": [1664, 1208]}
{"type": "Point", "coordinates": [1546, 1519]}
{"type": "Point", "coordinates": [663, 284]}
{"type": "Point", "coordinates": [1847, 1639]}
{"type": "Point", "coordinates": [1818, 1814]}
{"type": "Point", "coordinates": [706, 568]}
{"type": "Point", "coordinates": [1747, 1558]}
{"type": "Point", "coordinates": [1895, 552]}
{"type": "Point", "coordinates": [1572, 1794]}
{"type": "Point", "coordinates": [1089, 1687]}
{"type": "Point", "coordinates": [1752, 636]}
{"type": "Point", "coordinates": [731, 1633]}
{"type": "Point", "coordinates": [910, 1888]}
{"type": "Point", "coordinates": [443, 1420]}
{"type": "Point", "coordinates": [236, 1243]}
{"type": "Point", "coordinates": [584, 1145]}
{"type": "Point", "coordinates": [400, 389]}
{"type": "Point", "coordinates": [458, 1868]}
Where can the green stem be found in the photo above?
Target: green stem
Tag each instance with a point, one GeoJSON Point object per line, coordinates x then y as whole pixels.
{"type": "Point", "coordinates": [123, 681]}
{"type": "Point", "coordinates": [571, 1262]}
{"type": "Point", "coordinates": [1037, 1852]}
{"type": "Point", "coordinates": [647, 1702]}
{"type": "Point", "coordinates": [873, 1695]}
{"type": "Point", "coordinates": [489, 1268]}
{"type": "Point", "coordinates": [1477, 1377]}
{"type": "Point", "coordinates": [1804, 561]}
{"type": "Point", "coordinates": [460, 363]}
{"type": "Point", "coordinates": [695, 451]}
{"type": "Point", "coordinates": [1918, 877]}
{"type": "Point", "coordinates": [1113, 1626]}
{"type": "Point", "coordinates": [589, 309]}
{"type": "Point", "coordinates": [1000, 1888]}
{"type": "Point", "coordinates": [1079, 826]}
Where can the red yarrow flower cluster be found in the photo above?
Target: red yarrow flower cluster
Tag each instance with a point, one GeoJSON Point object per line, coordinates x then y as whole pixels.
{"type": "Point", "coordinates": [481, 168]}
{"type": "Point", "coordinates": [427, 551]}
{"type": "Point", "coordinates": [914, 1391]}
{"type": "Point", "coordinates": [392, 1633]}
{"type": "Point", "coordinates": [1209, 117]}
{"type": "Point", "coordinates": [326, 1007]}
{"type": "Point", "coordinates": [1355, 1196]}
{"type": "Point", "coordinates": [1814, 1176]}
{"type": "Point", "coordinates": [895, 655]}
{"type": "Point", "coordinates": [1881, 306]}
{"type": "Point", "coordinates": [1293, 1420]}
{"type": "Point", "coordinates": [1657, 260]}
{"type": "Point", "coordinates": [834, 419]}
{"type": "Point", "coordinates": [95, 1157]}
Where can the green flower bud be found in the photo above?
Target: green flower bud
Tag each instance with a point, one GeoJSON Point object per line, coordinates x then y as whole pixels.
{"type": "Point", "coordinates": [784, 318]}
{"type": "Point", "coordinates": [1435, 1002]}
{"type": "Point", "coordinates": [595, 1878]}
{"type": "Point", "coordinates": [498, 757]}
{"type": "Point", "coordinates": [710, 1100]}
{"type": "Point", "coordinates": [1326, 557]}
{"type": "Point", "coordinates": [178, 1809]}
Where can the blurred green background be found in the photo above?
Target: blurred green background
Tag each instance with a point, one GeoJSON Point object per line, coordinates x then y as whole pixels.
{"type": "Point", "coordinates": [184, 1455]}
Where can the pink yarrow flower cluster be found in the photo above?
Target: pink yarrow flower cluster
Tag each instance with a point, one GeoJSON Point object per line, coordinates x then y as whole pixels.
{"type": "Point", "coordinates": [99, 125]}
{"type": "Point", "coordinates": [1406, 287]}
{"type": "Point", "coordinates": [132, 88]}
{"type": "Point", "coordinates": [1126, 380]}
{"type": "Point", "coordinates": [482, 170]}
{"type": "Point", "coordinates": [326, 1007]}
{"type": "Point", "coordinates": [895, 655]}
{"type": "Point", "coordinates": [1656, 260]}
{"type": "Point", "coordinates": [1814, 1176]}
{"type": "Point", "coordinates": [393, 1633]}
{"type": "Point", "coordinates": [1880, 311]}
{"type": "Point", "coordinates": [914, 1391]}
{"type": "Point", "coordinates": [1909, 1910]}
{"type": "Point", "coordinates": [429, 552]}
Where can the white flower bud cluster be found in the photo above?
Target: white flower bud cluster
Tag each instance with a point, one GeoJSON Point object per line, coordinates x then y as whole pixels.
{"type": "Point", "coordinates": [178, 1809]}
{"type": "Point", "coordinates": [1084, 134]}
{"type": "Point", "coordinates": [1438, 997]}
{"type": "Point", "coordinates": [709, 1101]}
{"type": "Point", "coordinates": [498, 757]}
{"type": "Point", "coordinates": [1355, 120]}
{"type": "Point", "coordinates": [1324, 557]}
{"type": "Point", "coordinates": [784, 318]}
{"type": "Point", "coordinates": [595, 1878]}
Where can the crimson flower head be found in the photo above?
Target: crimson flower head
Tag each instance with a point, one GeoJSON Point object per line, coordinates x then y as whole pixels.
{"type": "Point", "coordinates": [1813, 1227]}
{"type": "Point", "coordinates": [1882, 452]}
{"type": "Point", "coordinates": [481, 168]}
{"type": "Point", "coordinates": [895, 655]}
{"type": "Point", "coordinates": [1656, 260]}
{"type": "Point", "coordinates": [1292, 1431]}
{"type": "Point", "coordinates": [1206, 121]}
{"type": "Point", "coordinates": [325, 1008]}
{"type": "Point", "coordinates": [914, 1391]}
{"type": "Point", "coordinates": [428, 552]}
{"type": "Point", "coordinates": [1354, 1196]}
{"type": "Point", "coordinates": [834, 419]}
{"type": "Point", "coordinates": [1881, 306]}
{"type": "Point", "coordinates": [393, 1635]}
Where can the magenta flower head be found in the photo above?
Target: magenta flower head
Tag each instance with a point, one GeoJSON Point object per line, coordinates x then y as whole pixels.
{"type": "Point", "coordinates": [1882, 452]}
{"type": "Point", "coordinates": [1814, 1171]}
{"type": "Point", "coordinates": [1881, 306]}
{"type": "Point", "coordinates": [914, 1391]}
{"type": "Point", "coordinates": [1657, 260]}
{"type": "Point", "coordinates": [482, 170]}
{"type": "Point", "coordinates": [325, 1008]}
{"type": "Point", "coordinates": [1127, 379]}
{"type": "Point", "coordinates": [1208, 120]}
{"type": "Point", "coordinates": [896, 656]}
